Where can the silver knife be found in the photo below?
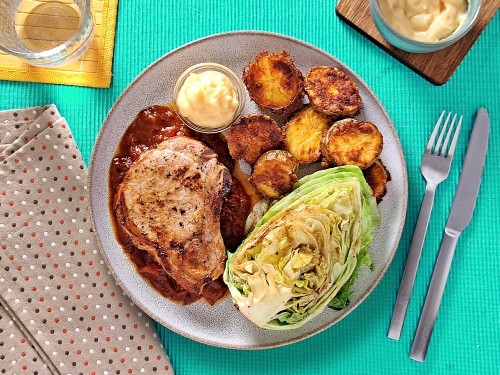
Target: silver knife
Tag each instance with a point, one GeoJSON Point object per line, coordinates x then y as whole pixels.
{"type": "Point", "coordinates": [458, 219]}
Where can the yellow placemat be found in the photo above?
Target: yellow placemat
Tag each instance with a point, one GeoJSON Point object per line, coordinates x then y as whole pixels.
{"type": "Point", "coordinates": [93, 69]}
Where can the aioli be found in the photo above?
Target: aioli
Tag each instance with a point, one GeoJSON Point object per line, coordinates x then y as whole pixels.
{"type": "Point", "coordinates": [208, 99]}
{"type": "Point", "coordinates": [424, 20]}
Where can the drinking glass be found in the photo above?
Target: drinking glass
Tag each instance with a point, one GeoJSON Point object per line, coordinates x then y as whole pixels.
{"type": "Point", "coordinates": [47, 32]}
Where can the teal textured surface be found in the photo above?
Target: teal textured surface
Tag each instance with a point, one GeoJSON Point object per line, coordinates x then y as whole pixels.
{"type": "Point", "coordinates": [466, 338]}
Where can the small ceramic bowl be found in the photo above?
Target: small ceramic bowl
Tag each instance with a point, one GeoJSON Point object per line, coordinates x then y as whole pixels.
{"type": "Point", "coordinates": [406, 44]}
{"type": "Point", "coordinates": [235, 80]}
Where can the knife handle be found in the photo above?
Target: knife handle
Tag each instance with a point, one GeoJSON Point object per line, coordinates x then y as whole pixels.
{"type": "Point", "coordinates": [434, 295]}
{"type": "Point", "coordinates": [410, 272]}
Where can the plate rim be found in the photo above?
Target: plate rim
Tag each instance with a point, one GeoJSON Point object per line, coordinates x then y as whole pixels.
{"type": "Point", "coordinates": [352, 306]}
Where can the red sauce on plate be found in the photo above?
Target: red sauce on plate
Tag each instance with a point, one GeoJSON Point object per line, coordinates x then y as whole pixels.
{"type": "Point", "coordinates": [151, 126]}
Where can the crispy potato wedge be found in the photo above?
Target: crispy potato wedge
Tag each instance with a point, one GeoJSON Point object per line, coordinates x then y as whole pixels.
{"type": "Point", "coordinates": [274, 83]}
{"type": "Point", "coordinates": [302, 134]}
{"type": "Point", "coordinates": [351, 141]}
{"type": "Point", "coordinates": [377, 176]}
{"type": "Point", "coordinates": [274, 173]}
{"type": "Point", "coordinates": [251, 136]}
{"type": "Point", "coordinates": [332, 92]}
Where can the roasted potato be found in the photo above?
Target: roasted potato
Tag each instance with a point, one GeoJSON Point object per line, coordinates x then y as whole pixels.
{"type": "Point", "coordinates": [302, 134]}
{"type": "Point", "coordinates": [251, 136]}
{"type": "Point", "coordinates": [332, 92]}
{"type": "Point", "coordinates": [377, 176]}
{"type": "Point", "coordinates": [274, 83]}
{"type": "Point", "coordinates": [351, 141]}
{"type": "Point", "coordinates": [274, 173]}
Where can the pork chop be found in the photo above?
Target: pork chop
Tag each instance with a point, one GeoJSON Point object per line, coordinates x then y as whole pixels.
{"type": "Point", "coordinates": [169, 204]}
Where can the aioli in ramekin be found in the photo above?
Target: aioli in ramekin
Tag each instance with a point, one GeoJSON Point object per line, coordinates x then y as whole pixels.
{"type": "Point", "coordinates": [209, 97]}
{"type": "Point", "coordinates": [424, 20]}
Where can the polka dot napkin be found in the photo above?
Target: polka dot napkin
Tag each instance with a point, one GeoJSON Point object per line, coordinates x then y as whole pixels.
{"type": "Point", "coordinates": [60, 310]}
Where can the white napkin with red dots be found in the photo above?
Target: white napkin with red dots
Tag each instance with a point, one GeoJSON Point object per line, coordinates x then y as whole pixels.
{"type": "Point", "coordinates": [61, 311]}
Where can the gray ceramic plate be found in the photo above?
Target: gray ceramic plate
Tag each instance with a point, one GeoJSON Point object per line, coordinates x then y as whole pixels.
{"type": "Point", "coordinates": [221, 325]}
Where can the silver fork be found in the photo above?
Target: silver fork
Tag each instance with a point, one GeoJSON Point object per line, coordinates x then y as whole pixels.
{"type": "Point", "coordinates": [435, 167]}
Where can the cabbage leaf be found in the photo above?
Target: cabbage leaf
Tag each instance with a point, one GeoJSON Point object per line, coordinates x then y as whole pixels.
{"type": "Point", "coordinates": [306, 250]}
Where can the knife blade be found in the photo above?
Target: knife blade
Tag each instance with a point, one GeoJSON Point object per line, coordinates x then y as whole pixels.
{"type": "Point", "coordinates": [459, 218]}
{"type": "Point", "coordinates": [465, 198]}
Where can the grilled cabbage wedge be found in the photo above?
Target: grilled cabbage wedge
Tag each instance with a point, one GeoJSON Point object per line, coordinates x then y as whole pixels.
{"type": "Point", "coordinates": [332, 92]}
{"type": "Point", "coordinates": [274, 173]}
{"type": "Point", "coordinates": [274, 83]}
{"type": "Point", "coordinates": [302, 134]}
{"type": "Point", "coordinates": [304, 251]}
{"type": "Point", "coordinates": [351, 142]}
{"type": "Point", "coordinates": [251, 136]}
{"type": "Point", "coordinates": [377, 176]}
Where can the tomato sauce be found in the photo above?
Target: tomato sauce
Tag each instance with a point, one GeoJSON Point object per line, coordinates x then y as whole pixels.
{"type": "Point", "coordinates": [151, 126]}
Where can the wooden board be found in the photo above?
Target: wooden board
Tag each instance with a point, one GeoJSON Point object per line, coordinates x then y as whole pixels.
{"type": "Point", "coordinates": [437, 67]}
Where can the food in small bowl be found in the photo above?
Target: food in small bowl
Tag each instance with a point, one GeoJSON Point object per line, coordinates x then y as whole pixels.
{"type": "Point", "coordinates": [424, 25]}
{"type": "Point", "coordinates": [209, 97]}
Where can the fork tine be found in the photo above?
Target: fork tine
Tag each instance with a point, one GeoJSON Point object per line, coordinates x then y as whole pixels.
{"type": "Point", "coordinates": [455, 138]}
{"type": "Point", "coordinates": [441, 135]}
{"type": "Point", "coordinates": [434, 133]}
{"type": "Point", "coordinates": [448, 136]}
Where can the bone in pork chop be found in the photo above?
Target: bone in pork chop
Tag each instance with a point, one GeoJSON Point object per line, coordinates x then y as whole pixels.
{"type": "Point", "coordinates": [169, 204]}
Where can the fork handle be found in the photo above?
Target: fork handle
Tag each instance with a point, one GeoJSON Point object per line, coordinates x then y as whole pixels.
{"type": "Point", "coordinates": [434, 295]}
{"type": "Point", "coordinates": [412, 261]}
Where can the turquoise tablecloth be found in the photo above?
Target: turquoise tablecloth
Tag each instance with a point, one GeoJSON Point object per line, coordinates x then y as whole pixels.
{"type": "Point", "coordinates": [467, 334]}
